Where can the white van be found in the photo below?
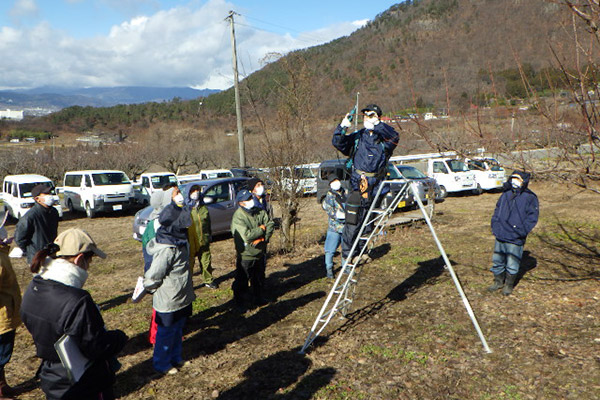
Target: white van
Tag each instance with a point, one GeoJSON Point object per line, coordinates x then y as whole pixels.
{"type": "Point", "coordinates": [151, 182]}
{"type": "Point", "coordinates": [488, 173]}
{"type": "Point", "coordinates": [98, 190]}
{"type": "Point", "coordinates": [205, 174]}
{"type": "Point", "coordinates": [303, 177]}
{"type": "Point", "coordinates": [16, 193]}
{"type": "Point", "coordinates": [450, 173]}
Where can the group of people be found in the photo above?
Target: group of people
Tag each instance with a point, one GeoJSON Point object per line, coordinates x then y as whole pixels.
{"type": "Point", "coordinates": [55, 304]}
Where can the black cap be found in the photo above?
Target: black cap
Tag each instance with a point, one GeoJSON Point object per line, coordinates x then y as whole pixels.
{"type": "Point", "coordinates": [252, 182]}
{"type": "Point", "coordinates": [372, 107]}
{"type": "Point", "coordinates": [40, 189]}
{"type": "Point", "coordinates": [243, 195]}
{"type": "Point", "coordinates": [332, 177]}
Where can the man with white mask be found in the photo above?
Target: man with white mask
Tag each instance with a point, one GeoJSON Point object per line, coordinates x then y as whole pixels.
{"type": "Point", "coordinates": [251, 229]}
{"type": "Point", "coordinates": [199, 236]}
{"type": "Point", "coordinates": [39, 226]}
{"type": "Point", "coordinates": [368, 151]}
{"type": "Point", "coordinates": [334, 206]}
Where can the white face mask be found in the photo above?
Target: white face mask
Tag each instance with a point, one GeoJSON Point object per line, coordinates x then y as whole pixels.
{"type": "Point", "coordinates": [247, 204]}
{"type": "Point", "coordinates": [195, 196]}
{"type": "Point", "coordinates": [178, 199]}
{"type": "Point", "coordinates": [368, 125]}
{"type": "Point", "coordinates": [48, 200]}
{"type": "Point", "coordinates": [335, 185]}
{"type": "Point", "coordinates": [516, 183]}
{"type": "Point", "coordinates": [260, 191]}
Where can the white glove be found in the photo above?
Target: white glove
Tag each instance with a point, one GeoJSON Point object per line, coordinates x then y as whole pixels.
{"type": "Point", "coordinates": [340, 215]}
{"type": "Point", "coordinates": [346, 122]}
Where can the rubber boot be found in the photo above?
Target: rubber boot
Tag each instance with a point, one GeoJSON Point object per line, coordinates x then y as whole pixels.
{"type": "Point", "coordinates": [498, 282]}
{"type": "Point", "coordinates": [6, 392]}
{"type": "Point", "coordinates": [509, 284]}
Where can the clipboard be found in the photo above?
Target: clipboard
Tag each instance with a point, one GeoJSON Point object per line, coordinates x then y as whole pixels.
{"type": "Point", "coordinates": [139, 291]}
{"type": "Point", "coordinates": [71, 358]}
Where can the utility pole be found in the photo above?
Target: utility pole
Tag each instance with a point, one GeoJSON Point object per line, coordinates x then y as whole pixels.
{"type": "Point", "coordinates": [238, 108]}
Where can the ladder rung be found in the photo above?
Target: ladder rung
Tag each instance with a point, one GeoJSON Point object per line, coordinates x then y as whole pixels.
{"type": "Point", "coordinates": [364, 237]}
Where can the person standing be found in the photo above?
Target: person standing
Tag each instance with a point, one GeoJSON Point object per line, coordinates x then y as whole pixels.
{"type": "Point", "coordinates": [334, 207]}
{"type": "Point", "coordinates": [10, 304]}
{"type": "Point", "coordinates": [516, 214]}
{"type": "Point", "coordinates": [368, 151]}
{"type": "Point", "coordinates": [257, 187]}
{"type": "Point", "coordinates": [39, 226]}
{"type": "Point", "coordinates": [251, 228]}
{"type": "Point", "coordinates": [55, 304]}
{"type": "Point", "coordinates": [199, 236]}
{"type": "Point", "coordinates": [169, 280]}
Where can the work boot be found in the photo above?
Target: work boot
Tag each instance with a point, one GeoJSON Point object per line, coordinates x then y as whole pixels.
{"type": "Point", "coordinates": [6, 392]}
{"type": "Point", "coordinates": [509, 284]}
{"type": "Point", "coordinates": [498, 282]}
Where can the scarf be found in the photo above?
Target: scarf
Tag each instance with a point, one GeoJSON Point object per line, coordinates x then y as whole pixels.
{"type": "Point", "coordinates": [63, 271]}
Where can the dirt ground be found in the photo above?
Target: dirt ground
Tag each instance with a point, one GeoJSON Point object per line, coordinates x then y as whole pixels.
{"type": "Point", "coordinates": [408, 335]}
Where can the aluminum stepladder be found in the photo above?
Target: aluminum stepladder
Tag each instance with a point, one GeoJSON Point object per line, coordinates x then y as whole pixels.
{"type": "Point", "coordinates": [341, 295]}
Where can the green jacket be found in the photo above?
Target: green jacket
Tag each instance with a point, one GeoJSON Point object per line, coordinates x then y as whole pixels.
{"type": "Point", "coordinates": [199, 231]}
{"type": "Point", "coordinates": [245, 228]}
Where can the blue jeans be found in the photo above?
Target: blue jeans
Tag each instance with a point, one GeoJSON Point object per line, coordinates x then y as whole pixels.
{"type": "Point", "coordinates": [507, 257]}
{"type": "Point", "coordinates": [167, 349]}
{"type": "Point", "coordinates": [332, 242]}
{"type": "Point", "coordinates": [7, 341]}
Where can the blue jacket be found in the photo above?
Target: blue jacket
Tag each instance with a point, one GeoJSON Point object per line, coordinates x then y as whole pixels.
{"type": "Point", "coordinates": [174, 223]}
{"type": "Point", "coordinates": [373, 148]}
{"type": "Point", "coordinates": [516, 213]}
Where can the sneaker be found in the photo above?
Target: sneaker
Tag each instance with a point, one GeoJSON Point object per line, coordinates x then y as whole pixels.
{"type": "Point", "coordinates": [210, 285]}
{"type": "Point", "coordinates": [181, 364]}
{"type": "Point", "coordinates": [172, 371]}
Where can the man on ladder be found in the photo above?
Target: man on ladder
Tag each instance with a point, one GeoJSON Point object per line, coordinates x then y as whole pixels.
{"type": "Point", "coordinates": [368, 151]}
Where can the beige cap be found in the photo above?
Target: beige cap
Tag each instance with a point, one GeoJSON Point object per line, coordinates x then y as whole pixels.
{"type": "Point", "coordinates": [74, 241]}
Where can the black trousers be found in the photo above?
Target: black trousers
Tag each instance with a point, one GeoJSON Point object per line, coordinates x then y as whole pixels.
{"type": "Point", "coordinates": [252, 271]}
{"type": "Point", "coordinates": [351, 231]}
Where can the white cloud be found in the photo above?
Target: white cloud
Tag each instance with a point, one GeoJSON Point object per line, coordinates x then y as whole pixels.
{"type": "Point", "coordinates": [181, 46]}
{"type": "Point", "coordinates": [24, 8]}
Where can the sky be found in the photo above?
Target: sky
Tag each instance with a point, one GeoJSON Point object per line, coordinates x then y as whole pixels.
{"type": "Point", "coordinates": [163, 43]}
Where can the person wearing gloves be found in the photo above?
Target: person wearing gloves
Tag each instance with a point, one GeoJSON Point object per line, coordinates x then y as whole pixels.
{"type": "Point", "coordinates": [334, 207]}
{"type": "Point", "coordinates": [169, 280]}
{"type": "Point", "coordinates": [55, 304]}
{"type": "Point", "coordinates": [10, 303]}
{"type": "Point", "coordinates": [251, 228]}
{"type": "Point", "coordinates": [199, 236]}
{"type": "Point", "coordinates": [516, 214]}
{"type": "Point", "coordinates": [368, 151]}
{"type": "Point", "coordinates": [39, 226]}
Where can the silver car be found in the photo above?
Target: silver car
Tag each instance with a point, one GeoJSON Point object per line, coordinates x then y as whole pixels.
{"type": "Point", "coordinates": [219, 197]}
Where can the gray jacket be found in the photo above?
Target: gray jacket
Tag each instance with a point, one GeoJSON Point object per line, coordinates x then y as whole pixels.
{"type": "Point", "coordinates": [169, 277]}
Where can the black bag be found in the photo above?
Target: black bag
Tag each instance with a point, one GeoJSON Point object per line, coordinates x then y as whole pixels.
{"type": "Point", "coordinates": [352, 208]}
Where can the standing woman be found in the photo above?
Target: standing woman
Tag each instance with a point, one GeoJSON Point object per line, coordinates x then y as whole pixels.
{"type": "Point", "coordinates": [10, 302]}
{"type": "Point", "coordinates": [55, 304]}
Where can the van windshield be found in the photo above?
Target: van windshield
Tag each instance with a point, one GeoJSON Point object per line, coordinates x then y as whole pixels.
{"type": "Point", "coordinates": [158, 182]}
{"type": "Point", "coordinates": [457, 166]}
{"type": "Point", "coordinates": [411, 173]}
{"type": "Point", "coordinates": [25, 188]}
{"type": "Point", "coordinates": [110, 178]}
{"type": "Point", "coordinates": [304, 173]}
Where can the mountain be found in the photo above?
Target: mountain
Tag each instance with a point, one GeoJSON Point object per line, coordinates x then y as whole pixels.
{"type": "Point", "coordinates": [55, 98]}
{"type": "Point", "coordinates": [428, 52]}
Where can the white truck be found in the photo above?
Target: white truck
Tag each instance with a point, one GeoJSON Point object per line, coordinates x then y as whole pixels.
{"type": "Point", "coordinates": [151, 182]}
{"type": "Point", "coordinates": [92, 191]}
{"type": "Point", "coordinates": [449, 172]}
{"type": "Point", "coordinates": [488, 172]}
{"type": "Point", "coordinates": [205, 174]}
{"type": "Point", "coordinates": [16, 193]}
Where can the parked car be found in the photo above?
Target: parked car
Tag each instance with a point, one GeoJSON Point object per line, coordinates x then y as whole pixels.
{"type": "Point", "coordinates": [92, 191]}
{"type": "Point", "coordinates": [16, 193]}
{"type": "Point", "coordinates": [489, 175]}
{"type": "Point", "coordinates": [206, 174]}
{"type": "Point", "coordinates": [150, 182]}
{"type": "Point", "coordinates": [424, 183]}
{"type": "Point", "coordinates": [219, 196]}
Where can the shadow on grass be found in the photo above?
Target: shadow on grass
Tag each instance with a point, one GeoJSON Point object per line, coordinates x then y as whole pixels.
{"type": "Point", "coordinates": [527, 264]}
{"type": "Point", "coordinates": [271, 377]}
{"type": "Point", "coordinates": [427, 273]}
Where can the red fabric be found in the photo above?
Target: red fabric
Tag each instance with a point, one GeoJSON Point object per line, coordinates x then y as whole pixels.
{"type": "Point", "coordinates": [153, 328]}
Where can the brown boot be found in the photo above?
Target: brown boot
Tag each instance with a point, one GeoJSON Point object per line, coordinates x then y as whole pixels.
{"type": "Point", "coordinates": [6, 392]}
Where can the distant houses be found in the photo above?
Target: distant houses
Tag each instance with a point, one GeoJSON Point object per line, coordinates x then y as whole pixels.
{"type": "Point", "coordinates": [11, 114]}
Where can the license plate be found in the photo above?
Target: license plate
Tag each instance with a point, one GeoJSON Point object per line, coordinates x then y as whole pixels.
{"type": "Point", "coordinates": [402, 204]}
{"type": "Point", "coordinates": [117, 207]}
{"type": "Point", "coordinates": [498, 183]}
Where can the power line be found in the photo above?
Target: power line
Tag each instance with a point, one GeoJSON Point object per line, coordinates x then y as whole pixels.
{"type": "Point", "coordinates": [311, 39]}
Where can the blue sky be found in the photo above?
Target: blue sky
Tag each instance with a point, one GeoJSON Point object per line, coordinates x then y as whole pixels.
{"type": "Point", "coordinates": [160, 42]}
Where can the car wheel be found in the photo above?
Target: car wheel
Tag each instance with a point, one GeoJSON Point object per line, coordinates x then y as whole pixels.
{"type": "Point", "coordinates": [323, 203]}
{"type": "Point", "coordinates": [478, 190]}
{"type": "Point", "coordinates": [443, 192]}
{"type": "Point", "coordinates": [88, 210]}
{"type": "Point", "coordinates": [70, 206]}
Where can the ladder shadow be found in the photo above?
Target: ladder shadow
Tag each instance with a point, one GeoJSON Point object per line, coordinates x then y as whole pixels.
{"type": "Point", "coordinates": [270, 377]}
{"type": "Point", "coordinates": [426, 274]}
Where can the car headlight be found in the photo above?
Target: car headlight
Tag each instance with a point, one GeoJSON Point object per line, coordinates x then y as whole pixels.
{"type": "Point", "coordinates": [98, 197]}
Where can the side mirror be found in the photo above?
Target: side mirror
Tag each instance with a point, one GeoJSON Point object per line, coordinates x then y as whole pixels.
{"type": "Point", "coordinates": [208, 200]}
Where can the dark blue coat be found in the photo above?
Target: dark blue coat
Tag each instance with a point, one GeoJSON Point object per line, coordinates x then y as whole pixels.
{"type": "Point", "coordinates": [516, 213]}
{"type": "Point", "coordinates": [372, 150]}
{"type": "Point", "coordinates": [174, 223]}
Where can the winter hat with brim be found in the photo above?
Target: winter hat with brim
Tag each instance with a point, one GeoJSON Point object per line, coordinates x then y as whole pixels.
{"type": "Point", "coordinates": [75, 241]}
{"type": "Point", "coordinates": [372, 107]}
{"type": "Point", "coordinates": [243, 195]}
{"type": "Point", "coordinates": [40, 189]}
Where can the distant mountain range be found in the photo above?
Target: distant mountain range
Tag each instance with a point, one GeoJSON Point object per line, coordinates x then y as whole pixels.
{"type": "Point", "coordinates": [56, 98]}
